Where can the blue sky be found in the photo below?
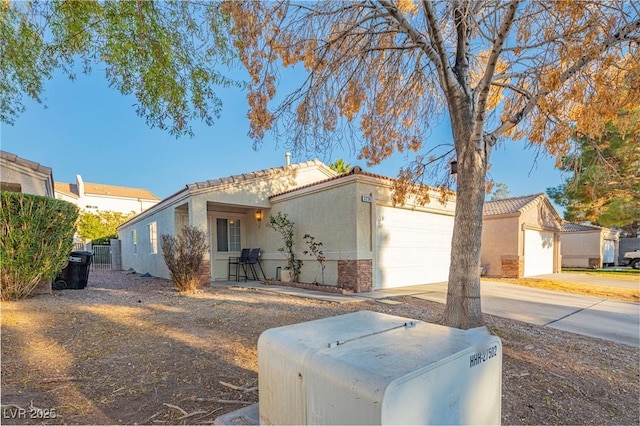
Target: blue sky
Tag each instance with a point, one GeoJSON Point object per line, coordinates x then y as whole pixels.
{"type": "Point", "coordinates": [90, 129]}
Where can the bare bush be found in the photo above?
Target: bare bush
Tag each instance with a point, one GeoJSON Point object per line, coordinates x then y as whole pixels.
{"type": "Point", "coordinates": [184, 256]}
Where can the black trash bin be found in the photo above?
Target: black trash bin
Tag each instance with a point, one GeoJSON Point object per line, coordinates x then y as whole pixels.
{"type": "Point", "coordinates": [76, 274]}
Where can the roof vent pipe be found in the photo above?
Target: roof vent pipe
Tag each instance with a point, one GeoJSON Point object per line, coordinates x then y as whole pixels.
{"type": "Point", "coordinates": [287, 158]}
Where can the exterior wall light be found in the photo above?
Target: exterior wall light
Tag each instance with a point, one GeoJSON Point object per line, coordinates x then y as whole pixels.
{"type": "Point", "coordinates": [454, 167]}
{"type": "Point", "coordinates": [259, 215]}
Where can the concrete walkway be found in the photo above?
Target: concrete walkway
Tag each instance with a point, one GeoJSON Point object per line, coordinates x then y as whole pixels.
{"type": "Point", "coordinates": [586, 315]}
{"type": "Point", "coordinates": [293, 291]}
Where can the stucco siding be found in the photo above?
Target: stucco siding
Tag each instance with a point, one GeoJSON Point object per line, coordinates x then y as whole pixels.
{"type": "Point", "coordinates": [540, 217]}
{"type": "Point", "coordinates": [117, 204]}
{"type": "Point", "coordinates": [579, 248]}
{"type": "Point", "coordinates": [501, 240]}
{"type": "Point", "coordinates": [72, 200]}
{"type": "Point", "coordinates": [328, 215]}
{"type": "Point", "coordinates": [140, 258]}
{"type": "Point", "coordinates": [31, 182]}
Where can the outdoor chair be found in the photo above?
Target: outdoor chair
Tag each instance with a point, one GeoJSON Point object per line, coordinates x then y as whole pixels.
{"type": "Point", "coordinates": [254, 259]}
{"type": "Point", "coordinates": [239, 263]}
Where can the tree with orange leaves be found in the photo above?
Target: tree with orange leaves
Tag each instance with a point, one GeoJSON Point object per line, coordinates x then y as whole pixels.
{"type": "Point", "coordinates": [379, 73]}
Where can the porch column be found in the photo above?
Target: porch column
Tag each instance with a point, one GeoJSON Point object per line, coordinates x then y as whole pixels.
{"type": "Point", "coordinates": [198, 218]}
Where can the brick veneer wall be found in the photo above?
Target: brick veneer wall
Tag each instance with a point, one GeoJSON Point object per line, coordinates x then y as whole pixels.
{"type": "Point", "coordinates": [205, 278]}
{"type": "Point", "coordinates": [595, 262]}
{"type": "Point", "coordinates": [355, 275]}
{"type": "Point", "coordinates": [512, 267]}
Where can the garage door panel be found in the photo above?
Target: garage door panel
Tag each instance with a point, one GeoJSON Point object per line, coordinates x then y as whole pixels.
{"type": "Point", "coordinates": [413, 247]}
{"type": "Point", "coordinates": [538, 252]}
{"type": "Point", "coordinates": [609, 251]}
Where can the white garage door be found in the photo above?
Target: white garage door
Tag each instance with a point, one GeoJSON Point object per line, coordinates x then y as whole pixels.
{"type": "Point", "coordinates": [413, 247]}
{"type": "Point", "coordinates": [609, 251]}
{"type": "Point", "coordinates": [538, 252]}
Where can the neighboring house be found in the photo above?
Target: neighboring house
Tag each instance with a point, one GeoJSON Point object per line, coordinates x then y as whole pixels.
{"type": "Point", "coordinates": [20, 175]}
{"type": "Point", "coordinates": [95, 197]}
{"type": "Point", "coordinates": [520, 237]}
{"type": "Point", "coordinates": [368, 243]}
{"type": "Point", "coordinates": [588, 246]}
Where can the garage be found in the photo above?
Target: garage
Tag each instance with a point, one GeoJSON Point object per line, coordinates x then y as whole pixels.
{"type": "Point", "coordinates": [538, 252]}
{"type": "Point", "coordinates": [413, 247]}
{"type": "Point", "coordinates": [520, 237]}
{"type": "Point", "coordinates": [585, 245]}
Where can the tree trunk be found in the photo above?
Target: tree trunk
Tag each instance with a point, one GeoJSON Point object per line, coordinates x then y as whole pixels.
{"type": "Point", "coordinates": [463, 309]}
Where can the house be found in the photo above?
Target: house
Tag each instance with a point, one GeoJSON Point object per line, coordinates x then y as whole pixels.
{"type": "Point", "coordinates": [21, 175]}
{"type": "Point", "coordinates": [368, 243]}
{"type": "Point", "coordinates": [520, 237]}
{"type": "Point", "coordinates": [95, 197]}
{"type": "Point", "coordinates": [588, 246]}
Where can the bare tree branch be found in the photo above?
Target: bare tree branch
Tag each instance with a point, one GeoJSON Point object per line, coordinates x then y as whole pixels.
{"type": "Point", "coordinates": [485, 82]}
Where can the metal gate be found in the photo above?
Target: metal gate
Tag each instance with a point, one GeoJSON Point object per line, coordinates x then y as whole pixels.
{"type": "Point", "coordinates": [101, 258]}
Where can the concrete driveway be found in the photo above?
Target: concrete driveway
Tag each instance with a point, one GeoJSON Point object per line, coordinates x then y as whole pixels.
{"type": "Point", "coordinates": [586, 315]}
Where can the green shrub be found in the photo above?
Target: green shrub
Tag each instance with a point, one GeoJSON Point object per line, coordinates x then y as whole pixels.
{"type": "Point", "coordinates": [184, 256]}
{"type": "Point", "coordinates": [101, 226]}
{"type": "Point", "coordinates": [35, 241]}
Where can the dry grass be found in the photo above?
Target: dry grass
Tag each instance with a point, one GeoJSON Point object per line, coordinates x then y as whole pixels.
{"type": "Point", "coordinates": [606, 292]}
{"type": "Point", "coordinates": [623, 274]}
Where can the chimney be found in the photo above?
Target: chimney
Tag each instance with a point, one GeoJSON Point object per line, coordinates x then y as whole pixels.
{"type": "Point", "coordinates": [80, 185]}
{"type": "Point", "coordinates": [287, 158]}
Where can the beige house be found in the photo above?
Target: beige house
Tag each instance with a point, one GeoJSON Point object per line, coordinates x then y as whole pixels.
{"type": "Point", "coordinates": [95, 197]}
{"type": "Point", "coordinates": [520, 237]}
{"type": "Point", "coordinates": [20, 175]}
{"type": "Point", "coordinates": [588, 246]}
{"type": "Point", "coordinates": [368, 243]}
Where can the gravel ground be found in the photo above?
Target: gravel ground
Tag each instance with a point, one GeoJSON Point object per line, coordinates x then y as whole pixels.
{"type": "Point", "coordinates": [127, 350]}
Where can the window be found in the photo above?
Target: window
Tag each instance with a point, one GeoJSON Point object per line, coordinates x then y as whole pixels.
{"type": "Point", "coordinates": [153, 237]}
{"type": "Point", "coordinates": [10, 186]}
{"type": "Point", "coordinates": [228, 234]}
{"type": "Point", "coordinates": [134, 240]}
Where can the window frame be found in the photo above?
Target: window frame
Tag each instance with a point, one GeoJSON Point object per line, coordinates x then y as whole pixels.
{"type": "Point", "coordinates": [134, 240]}
{"type": "Point", "coordinates": [235, 232]}
{"type": "Point", "coordinates": [153, 237]}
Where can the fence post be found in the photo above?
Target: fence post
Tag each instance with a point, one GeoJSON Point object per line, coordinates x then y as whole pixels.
{"type": "Point", "coordinates": [116, 255]}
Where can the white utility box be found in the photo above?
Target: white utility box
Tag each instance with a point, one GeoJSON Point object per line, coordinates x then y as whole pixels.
{"type": "Point", "coordinates": [372, 368]}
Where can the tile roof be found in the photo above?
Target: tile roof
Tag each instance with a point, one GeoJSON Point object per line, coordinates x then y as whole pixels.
{"type": "Point", "coordinates": [509, 205]}
{"type": "Point", "coordinates": [577, 227]}
{"type": "Point", "coordinates": [252, 175]}
{"type": "Point", "coordinates": [68, 189]}
{"type": "Point", "coordinates": [118, 191]}
{"type": "Point", "coordinates": [354, 171]}
{"type": "Point", "coordinates": [24, 162]}
{"type": "Point", "coordinates": [71, 189]}
{"type": "Point", "coordinates": [223, 181]}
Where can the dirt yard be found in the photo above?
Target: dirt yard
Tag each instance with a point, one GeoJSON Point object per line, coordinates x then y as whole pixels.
{"type": "Point", "coordinates": [128, 350]}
